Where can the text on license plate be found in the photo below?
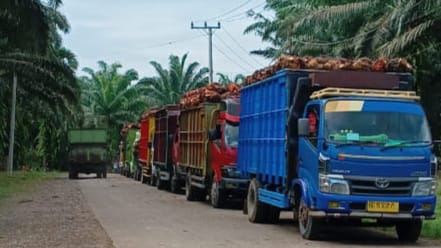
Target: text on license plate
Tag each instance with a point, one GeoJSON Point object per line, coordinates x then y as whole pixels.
{"type": "Point", "coordinates": [382, 206]}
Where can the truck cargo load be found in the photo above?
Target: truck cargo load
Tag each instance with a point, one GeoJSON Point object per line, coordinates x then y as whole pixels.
{"type": "Point", "coordinates": [337, 145]}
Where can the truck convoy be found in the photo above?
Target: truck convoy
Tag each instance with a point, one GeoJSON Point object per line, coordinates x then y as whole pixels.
{"type": "Point", "coordinates": [205, 150]}
{"type": "Point", "coordinates": [87, 152]}
{"type": "Point", "coordinates": [337, 146]}
{"type": "Point", "coordinates": [332, 140]}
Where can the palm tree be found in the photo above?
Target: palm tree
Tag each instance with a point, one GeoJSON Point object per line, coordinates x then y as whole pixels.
{"type": "Point", "coordinates": [169, 86]}
{"type": "Point", "coordinates": [113, 97]}
{"type": "Point", "coordinates": [47, 89]}
{"type": "Point", "coordinates": [224, 79]}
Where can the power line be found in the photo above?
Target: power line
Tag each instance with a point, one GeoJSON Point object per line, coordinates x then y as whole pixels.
{"type": "Point", "coordinates": [229, 58]}
{"type": "Point", "coordinates": [228, 12]}
{"type": "Point", "coordinates": [234, 52]}
{"type": "Point", "coordinates": [210, 42]}
{"type": "Point", "coordinates": [173, 42]}
{"type": "Point", "coordinates": [243, 49]}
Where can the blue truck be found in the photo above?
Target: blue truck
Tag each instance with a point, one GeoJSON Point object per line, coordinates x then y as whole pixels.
{"type": "Point", "coordinates": [337, 146]}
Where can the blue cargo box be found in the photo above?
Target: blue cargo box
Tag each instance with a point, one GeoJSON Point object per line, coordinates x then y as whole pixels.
{"type": "Point", "coordinates": [262, 136]}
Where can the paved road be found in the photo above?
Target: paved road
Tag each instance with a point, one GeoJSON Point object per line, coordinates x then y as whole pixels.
{"type": "Point", "coordinates": [136, 215]}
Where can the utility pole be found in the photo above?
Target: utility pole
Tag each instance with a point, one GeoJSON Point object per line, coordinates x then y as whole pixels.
{"type": "Point", "coordinates": [210, 44]}
{"type": "Point", "coordinates": [12, 127]}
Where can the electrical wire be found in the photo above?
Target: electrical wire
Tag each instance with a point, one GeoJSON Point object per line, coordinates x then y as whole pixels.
{"type": "Point", "coordinates": [227, 12]}
{"type": "Point", "coordinates": [234, 52]}
{"type": "Point", "coordinates": [241, 47]}
{"type": "Point", "coordinates": [173, 42]}
{"type": "Point", "coordinates": [226, 56]}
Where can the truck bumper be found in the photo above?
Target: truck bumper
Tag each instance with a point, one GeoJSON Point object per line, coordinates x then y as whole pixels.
{"type": "Point", "coordinates": [236, 187]}
{"type": "Point", "coordinates": [350, 206]}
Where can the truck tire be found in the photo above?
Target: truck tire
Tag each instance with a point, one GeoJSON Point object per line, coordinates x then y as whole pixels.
{"type": "Point", "coordinates": [160, 184]}
{"type": "Point", "coordinates": [104, 173]}
{"type": "Point", "coordinates": [257, 211]}
{"type": "Point", "coordinates": [408, 231]}
{"type": "Point", "coordinates": [153, 180]}
{"type": "Point", "coordinates": [309, 227]}
{"type": "Point", "coordinates": [191, 192]}
{"type": "Point", "coordinates": [71, 175]}
{"type": "Point", "coordinates": [174, 185]}
{"type": "Point", "coordinates": [217, 195]}
{"type": "Point", "coordinates": [98, 174]}
{"type": "Point", "coordinates": [143, 179]}
{"type": "Point", "coordinates": [273, 214]}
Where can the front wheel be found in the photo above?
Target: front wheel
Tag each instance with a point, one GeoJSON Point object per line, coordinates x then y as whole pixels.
{"type": "Point", "coordinates": [217, 196]}
{"type": "Point", "coordinates": [309, 227]}
{"type": "Point", "coordinates": [257, 210]}
{"type": "Point", "coordinates": [409, 231]}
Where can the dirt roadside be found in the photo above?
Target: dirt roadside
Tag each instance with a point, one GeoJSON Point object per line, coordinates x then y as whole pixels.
{"type": "Point", "coordinates": [53, 214]}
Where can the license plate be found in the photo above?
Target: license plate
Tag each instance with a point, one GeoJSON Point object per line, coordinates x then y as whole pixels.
{"type": "Point", "coordinates": [384, 207]}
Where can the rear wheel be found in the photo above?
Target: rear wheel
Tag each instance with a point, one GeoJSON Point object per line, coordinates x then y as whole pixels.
{"type": "Point", "coordinates": [104, 173]}
{"type": "Point", "coordinates": [98, 174]}
{"type": "Point", "coordinates": [160, 184]}
{"type": "Point", "coordinates": [217, 195]}
{"type": "Point", "coordinates": [273, 214]}
{"type": "Point", "coordinates": [191, 192]}
{"type": "Point", "coordinates": [257, 211]}
{"type": "Point", "coordinates": [309, 226]}
{"type": "Point", "coordinates": [409, 231]}
{"type": "Point", "coordinates": [153, 179]}
{"type": "Point", "coordinates": [175, 187]}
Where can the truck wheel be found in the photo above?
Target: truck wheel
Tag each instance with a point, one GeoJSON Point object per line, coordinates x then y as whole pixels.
{"type": "Point", "coordinates": [160, 184]}
{"type": "Point", "coordinates": [153, 180]}
{"type": "Point", "coordinates": [191, 192]}
{"type": "Point", "coordinates": [408, 231]}
{"type": "Point", "coordinates": [104, 173]}
{"type": "Point", "coordinates": [309, 227]}
{"type": "Point", "coordinates": [143, 179]}
{"type": "Point", "coordinates": [257, 211]}
{"type": "Point", "coordinates": [98, 174]}
{"type": "Point", "coordinates": [71, 175]}
{"type": "Point", "coordinates": [273, 214]}
{"type": "Point", "coordinates": [175, 187]}
{"type": "Point", "coordinates": [217, 196]}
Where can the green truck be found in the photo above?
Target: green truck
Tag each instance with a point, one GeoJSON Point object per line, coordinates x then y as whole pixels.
{"type": "Point", "coordinates": [87, 152]}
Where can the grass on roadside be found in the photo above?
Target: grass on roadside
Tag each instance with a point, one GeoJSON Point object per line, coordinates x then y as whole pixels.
{"type": "Point", "coordinates": [21, 181]}
{"type": "Point", "coordinates": [432, 228]}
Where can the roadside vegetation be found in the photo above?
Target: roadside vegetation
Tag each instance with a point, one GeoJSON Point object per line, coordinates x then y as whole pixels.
{"type": "Point", "coordinates": [22, 181]}
{"type": "Point", "coordinates": [432, 228]}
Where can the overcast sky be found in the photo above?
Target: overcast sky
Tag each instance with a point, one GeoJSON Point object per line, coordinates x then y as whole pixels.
{"type": "Point", "coordinates": [134, 32]}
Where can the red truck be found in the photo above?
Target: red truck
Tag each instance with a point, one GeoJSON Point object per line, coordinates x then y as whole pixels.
{"type": "Point", "coordinates": [205, 152]}
{"type": "Point", "coordinates": [166, 119]}
{"type": "Point", "coordinates": [146, 144]}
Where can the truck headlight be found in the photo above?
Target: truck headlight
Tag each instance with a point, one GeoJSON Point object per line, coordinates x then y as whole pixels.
{"type": "Point", "coordinates": [231, 172]}
{"type": "Point", "coordinates": [424, 188]}
{"type": "Point", "coordinates": [333, 184]}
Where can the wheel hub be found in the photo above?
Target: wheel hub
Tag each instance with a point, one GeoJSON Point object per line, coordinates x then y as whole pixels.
{"type": "Point", "coordinates": [303, 216]}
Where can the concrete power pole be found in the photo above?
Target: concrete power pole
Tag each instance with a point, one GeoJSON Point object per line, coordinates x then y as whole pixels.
{"type": "Point", "coordinates": [12, 127]}
{"type": "Point", "coordinates": [210, 44]}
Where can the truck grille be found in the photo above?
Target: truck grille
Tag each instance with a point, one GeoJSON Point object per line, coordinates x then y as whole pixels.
{"type": "Point", "coordinates": [368, 186]}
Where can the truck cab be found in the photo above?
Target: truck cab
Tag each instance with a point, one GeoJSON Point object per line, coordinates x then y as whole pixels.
{"type": "Point", "coordinates": [223, 141]}
{"type": "Point", "coordinates": [367, 154]}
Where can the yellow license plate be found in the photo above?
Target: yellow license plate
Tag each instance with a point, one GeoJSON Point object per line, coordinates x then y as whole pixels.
{"type": "Point", "coordinates": [384, 207]}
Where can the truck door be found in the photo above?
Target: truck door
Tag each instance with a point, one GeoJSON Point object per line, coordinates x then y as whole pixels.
{"type": "Point", "coordinates": [309, 148]}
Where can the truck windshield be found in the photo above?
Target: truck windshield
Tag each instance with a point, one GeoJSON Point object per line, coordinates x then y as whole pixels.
{"type": "Point", "coordinates": [231, 135]}
{"type": "Point", "coordinates": [385, 128]}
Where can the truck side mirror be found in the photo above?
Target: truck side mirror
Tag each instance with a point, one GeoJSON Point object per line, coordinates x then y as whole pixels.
{"type": "Point", "coordinates": [303, 126]}
{"type": "Point", "coordinates": [213, 134]}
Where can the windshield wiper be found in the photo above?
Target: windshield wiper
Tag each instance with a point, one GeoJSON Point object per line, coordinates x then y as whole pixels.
{"type": "Point", "coordinates": [357, 142]}
{"type": "Point", "coordinates": [397, 144]}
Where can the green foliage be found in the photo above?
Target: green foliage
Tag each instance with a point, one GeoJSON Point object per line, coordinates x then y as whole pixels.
{"type": "Point", "coordinates": [47, 91]}
{"type": "Point", "coordinates": [360, 28]}
{"type": "Point", "coordinates": [169, 85]}
{"type": "Point", "coordinates": [224, 79]}
{"type": "Point", "coordinates": [432, 228]}
{"type": "Point", "coordinates": [22, 181]}
{"type": "Point", "coordinates": [114, 97]}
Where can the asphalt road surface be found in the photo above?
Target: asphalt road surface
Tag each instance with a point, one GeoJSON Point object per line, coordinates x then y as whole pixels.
{"type": "Point", "coordinates": [138, 215]}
